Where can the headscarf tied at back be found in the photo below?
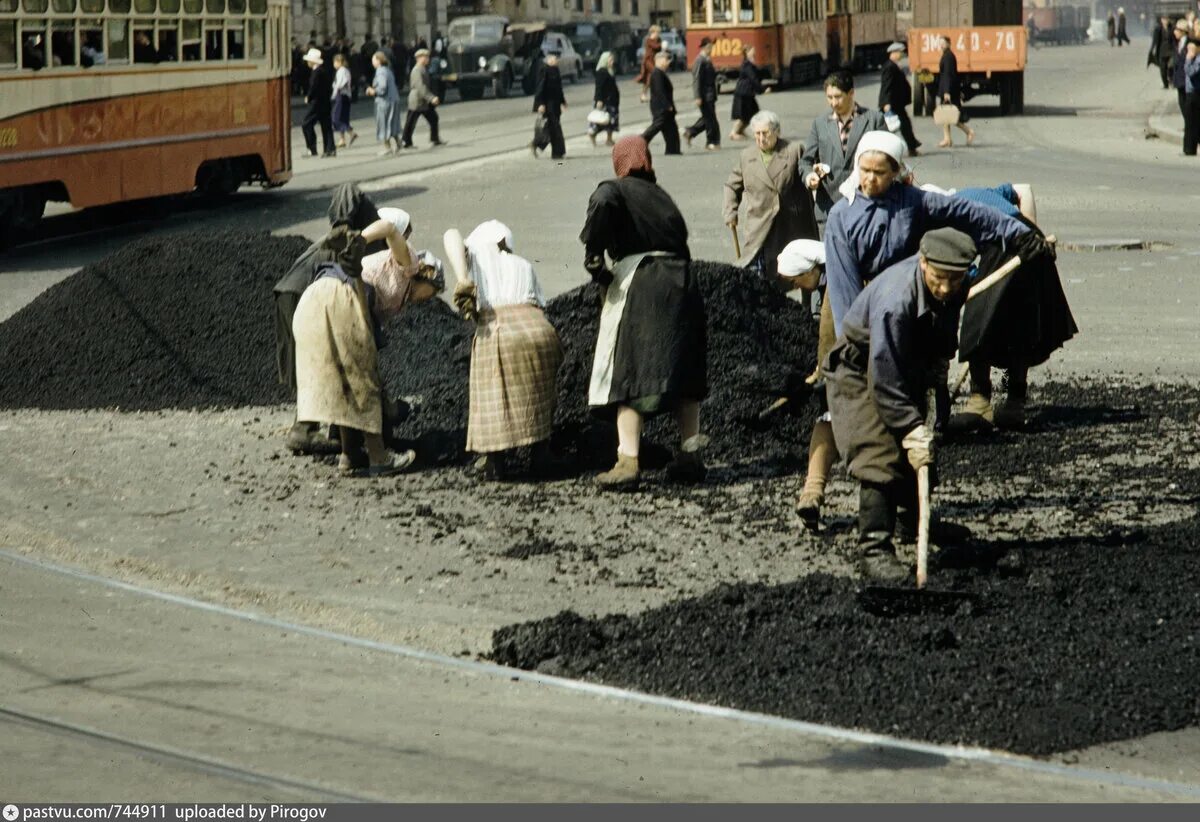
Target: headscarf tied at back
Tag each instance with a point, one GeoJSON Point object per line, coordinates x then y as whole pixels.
{"type": "Point", "coordinates": [882, 141]}
{"type": "Point", "coordinates": [349, 206]}
{"type": "Point", "coordinates": [494, 271]}
{"type": "Point", "coordinates": [346, 247]}
{"type": "Point", "coordinates": [631, 158]}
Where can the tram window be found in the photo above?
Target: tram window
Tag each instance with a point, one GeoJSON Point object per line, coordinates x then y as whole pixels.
{"type": "Point", "coordinates": [168, 41]}
{"type": "Point", "coordinates": [8, 5]}
{"type": "Point", "coordinates": [35, 6]}
{"type": "Point", "coordinates": [258, 6]}
{"type": "Point", "coordinates": [191, 41]}
{"type": "Point", "coordinates": [722, 11]}
{"type": "Point", "coordinates": [699, 13]}
{"type": "Point", "coordinates": [143, 46]}
{"type": "Point", "coordinates": [62, 43]}
{"type": "Point", "coordinates": [193, 6]}
{"type": "Point", "coordinates": [168, 6]}
{"type": "Point", "coordinates": [214, 44]}
{"type": "Point", "coordinates": [215, 6]}
{"type": "Point", "coordinates": [119, 6]}
{"type": "Point", "coordinates": [91, 43]}
{"type": "Point", "coordinates": [237, 6]}
{"type": "Point", "coordinates": [258, 39]}
{"type": "Point", "coordinates": [92, 6]}
{"type": "Point", "coordinates": [235, 43]}
{"type": "Point", "coordinates": [118, 42]}
{"type": "Point", "coordinates": [8, 42]}
{"type": "Point", "coordinates": [64, 6]}
{"type": "Point", "coordinates": [746, 11]}
{"type": "Point", "coordinates": [33, 44]}
{"type": "Point", "coordinates": [768, 13]}
{"type": "Point", "coordinates": [144, 6]}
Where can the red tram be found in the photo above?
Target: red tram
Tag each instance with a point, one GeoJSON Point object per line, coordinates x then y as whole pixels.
{"type": "Point", "coordinates": [103, 101]}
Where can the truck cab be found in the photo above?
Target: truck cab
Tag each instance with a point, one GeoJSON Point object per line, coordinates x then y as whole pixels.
{"type": "Point", "coordinates": [486, 50]}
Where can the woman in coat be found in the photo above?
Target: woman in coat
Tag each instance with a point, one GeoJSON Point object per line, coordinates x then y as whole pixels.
{"type": "Point", "coordinates": [778, 207]}
{"type": "Point", "coordinates": [387, 105]}
{"type": "Point", "coordinates": [342, 83]}
{"type": "Point", "coordinates": [651, 49]}
{"type": "Point", "coordinates": [748, 87]}
{"type": "Point", "coordinates": [607, 98]}
{"type": "Point", "coordinates": [652, 350]}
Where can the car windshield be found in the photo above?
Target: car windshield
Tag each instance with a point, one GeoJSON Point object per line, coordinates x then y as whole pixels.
{"type": "Point", "coordinates": [475, 31]}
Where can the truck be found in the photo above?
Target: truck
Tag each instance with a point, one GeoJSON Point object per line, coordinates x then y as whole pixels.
{"type": "Point", "coordinates": [988, 38]}
{"type": "Point", "coordinates": [486, 51]}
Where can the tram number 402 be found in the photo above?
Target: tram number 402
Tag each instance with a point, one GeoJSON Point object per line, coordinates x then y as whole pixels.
{"type": "Point", "coordinates": [973, 41]}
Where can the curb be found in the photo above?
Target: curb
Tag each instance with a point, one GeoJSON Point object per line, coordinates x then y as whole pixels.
{"type": "Point", "coordinates": [1159, 124]}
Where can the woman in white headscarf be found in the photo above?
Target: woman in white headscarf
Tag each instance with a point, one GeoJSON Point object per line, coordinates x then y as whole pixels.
{"type": "Point", "coordinates": [516, 352]}
{"type": "Point", "coordinates": [396, 273]}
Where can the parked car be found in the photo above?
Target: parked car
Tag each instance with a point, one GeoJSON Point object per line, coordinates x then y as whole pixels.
{"type": "Point", "coordinates": [673, 43]}
{"type": "Point", "coordinates": [593, 39]}
{"type": "Point", "coordinates": [486, 51]}
{"type": "Point", "coordinates": [570, 64]}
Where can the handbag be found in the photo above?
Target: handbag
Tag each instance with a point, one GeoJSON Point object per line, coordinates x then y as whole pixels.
{"type": "Point", "coordinates": [946, 114]}
{"type": "Point", "coordinates": [892, 120]}
{"type": "Point", "coordinates": [539, 129]}
{"type": "Point", "coordinates": [599, 117]}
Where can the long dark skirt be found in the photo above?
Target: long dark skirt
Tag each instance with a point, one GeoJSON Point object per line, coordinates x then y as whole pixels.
{"type": "Point", "coordinates": [661, 352]}
{"type": "Point", "coordinates": [341, 114]}
{"type": "Point", "coordinates": [745, 106]}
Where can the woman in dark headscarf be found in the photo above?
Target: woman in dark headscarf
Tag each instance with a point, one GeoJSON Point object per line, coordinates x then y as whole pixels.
{"type": "Point", "coordinates": [651, 354]}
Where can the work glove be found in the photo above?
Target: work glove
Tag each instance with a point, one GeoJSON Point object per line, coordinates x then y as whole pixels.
{"type": "Point", "coordinates": [1032, 245]}
{"type": "Point", "coordinates": [918, 447]}
{"type": "Point", "coordinates": [466, 297]}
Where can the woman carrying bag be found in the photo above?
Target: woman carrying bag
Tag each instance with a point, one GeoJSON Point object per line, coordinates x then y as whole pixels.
{"type": "Point", "coordinates": [605, 113]}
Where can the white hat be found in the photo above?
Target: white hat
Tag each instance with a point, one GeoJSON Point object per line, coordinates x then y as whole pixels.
{"type": "Point", "coordinates": [313, 57]}
{"type": "Point", "coordinates": [882, 141]}
{"type": "Point", "coordinates": [800, 257]}
{"type": "Point", "coordinates": [397, 217]}
{"type": "Point", "coordinates": [894, 47]}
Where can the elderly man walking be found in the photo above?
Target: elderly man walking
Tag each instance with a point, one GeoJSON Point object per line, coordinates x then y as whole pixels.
{"type": "Point", "coordinates": [778, 208]}
{"type": "Point", "coordinates": [704, 90]}
{"type": "Point", "coordinates": [422, 102]}
{"type": "Point", "coordinates": [828, 158]}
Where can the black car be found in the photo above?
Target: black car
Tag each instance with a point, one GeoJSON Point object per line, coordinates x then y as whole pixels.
{"type": "Point", "coordinates": [485, 51]}
{"type": "Point", "coordinates": [593, 39]}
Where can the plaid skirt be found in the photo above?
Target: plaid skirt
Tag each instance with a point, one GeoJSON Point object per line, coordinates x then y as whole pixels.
{"type": "Point", "coordinates": [514, 361]}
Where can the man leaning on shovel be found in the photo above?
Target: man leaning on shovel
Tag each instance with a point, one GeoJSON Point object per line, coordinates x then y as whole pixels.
{"type": "Point", "coordinates": [878, 375]}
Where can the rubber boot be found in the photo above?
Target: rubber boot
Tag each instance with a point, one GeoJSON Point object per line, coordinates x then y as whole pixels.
{"type": "Point", "coordinates": [822, 453]}
{"type": "Point", "coordinates": [688, 465]}
{"type": "Point", "coordinates": [876, 519]}
{"type": "Point", "coordinates": [623, 474]}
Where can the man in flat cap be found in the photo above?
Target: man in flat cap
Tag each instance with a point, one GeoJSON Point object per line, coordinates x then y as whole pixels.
{"type": "Point", "coordinates": [704, 91]}
{"type": "Point", "coordinates": [422, 101]}
{"type": "Point", "coordinates": [895, 95]}
{"type": "Point", "coordinates": [897, 331]}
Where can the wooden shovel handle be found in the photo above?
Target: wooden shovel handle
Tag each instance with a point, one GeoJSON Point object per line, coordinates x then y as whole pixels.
{"type": "Point", "coordinates": [923, 513]}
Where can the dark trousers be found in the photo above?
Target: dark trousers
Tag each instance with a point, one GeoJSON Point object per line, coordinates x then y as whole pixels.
{"type": "Point", "coordinates": [1164, 70]}
{"type": "Point", "coordinates": [322, 116]}
{"type": "Point", "coordinates": [906, 129]}
{"type": "Point", "coordinates": [707, 123]}
{"type": "Point", "coordinates": [884, 506]}
{"type": "Point", "coordinates": [1191, 123]}
{"type": "Point", "coordinates": [1182, 97]}
{"type": "Point", "coordinates": [552, 135]}
{"type": "Point", "coordinates": [1016, 381]}
{"type": "Point", "coordinates": [665, 123]}
{"type": "Point", "coordinates": [410, 124]}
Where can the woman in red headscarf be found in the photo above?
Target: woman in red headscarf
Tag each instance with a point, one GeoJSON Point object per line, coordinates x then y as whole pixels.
{"type": "Point", "coordinates": [652, 352]}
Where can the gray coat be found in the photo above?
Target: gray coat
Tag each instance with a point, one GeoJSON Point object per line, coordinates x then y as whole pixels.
{"type": "Point", "coordinates": [824, 145]}
{"type": "Point", "coordinates": [420, 94]}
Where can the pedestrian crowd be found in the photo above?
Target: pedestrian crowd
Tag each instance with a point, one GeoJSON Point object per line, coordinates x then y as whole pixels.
{"type": "Point", "coordinates": [839, 219]}
{"type": "Point", "coordinates": [1175, 51]}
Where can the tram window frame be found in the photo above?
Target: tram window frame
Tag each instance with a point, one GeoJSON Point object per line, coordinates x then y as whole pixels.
{"type": "Point", "coordinates": [214, 6]}
{"type": "Point", "coordinates": [64, 45]}
{"type": "Point", "coordinates": [167, 41]}
{"type": "Point", "coordinates": [214, 34]}
{"type": "Point", "coordinates": [144, 27]}
{"type": "Point", "coordinates": [33, 28]}
{"type": "Point", "coordinates": [193, 6]}
{"type": "Point", "coordinates": [63, 6]}
{"type": "Point", "coordinates": [9, 50]}
{"type": "Point", "coordinates": [170, 7]}
{"type": "Point", "coordinates": [111, 54]}
{"type": "Point", "coordinates": [145, 7]}
{"type": "Point", "coordinates": [747, 15]}
{"type": "Point", "coordinates": [767, 13]}
{"type": "Point", "coordinates": [35, 6]}
{"type": "Point", "coordinates": [9, 6]}
{"type": "Point", "coordinates": [722, 12]}
{"type": "Point", "coordinates": [258, 8]}
{"type": "Point", "coordinates": [699, 12]}
{"type": "Point", "coordinates": [92, 26]}
{"type": "Point", "coordinates": [120, 6]}
{"type": "Point", "coordinates": [233, 28]}
{"type": "Point", "coordinates": [256, 38]}
{"type": "Point", "coordinates": [191, 41]}
{"type": "Point", "coordinates": [91, 6]}
{"type": "Point", "coordinates": [230, 6]}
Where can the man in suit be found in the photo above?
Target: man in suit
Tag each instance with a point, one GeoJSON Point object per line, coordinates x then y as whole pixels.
{"type": "Point", "coordinates": [1161, 50]}
{"type": "Point", "coordinates": [548, 100]}
{"type": "Point", "coordinates": [320, 105]}
{"type": "Point", "coordinates": [422, 102]}
{"type": "Point", "coordinates": [662, 105]}
{"type": "Point", "coordinates": [829, 151]}
{"type": "Point", "coordinates": [704, 90]}
{"type": "Point", "coordinates": [950, 93]}
{"type": "Point", "coordinates": [778, 208]}
{"type": "Point", "coordinates": [895, 95]}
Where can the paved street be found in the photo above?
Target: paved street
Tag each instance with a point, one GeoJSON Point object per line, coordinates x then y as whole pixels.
{"type": "Point", "coordinates": [114, 694]}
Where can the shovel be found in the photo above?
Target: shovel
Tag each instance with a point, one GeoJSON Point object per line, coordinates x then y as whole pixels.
{"type": "Point", "coordinates": [737, 244]}
{"type": "Point", "coordinates": [923, 512]}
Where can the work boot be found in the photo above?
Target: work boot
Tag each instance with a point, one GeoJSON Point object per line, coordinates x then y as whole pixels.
{"type": "Point", "coordinates": [300, 436]}
{"type": "Point", "coordinates": [976, 415]}
{"type": "Point", "coordinates": [688, 465]}
{"type": "Point", "coordinates": [808, 507]}
{"type": "Point", "coordinates": [876, 519]}
{"type": "Point", "coordinates": [625, 473]}
{"type": "Point", "coordinates": [1010, 415]}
